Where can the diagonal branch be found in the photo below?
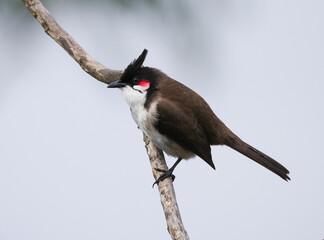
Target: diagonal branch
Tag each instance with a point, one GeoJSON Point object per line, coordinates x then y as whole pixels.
{"type": "Point", "coordinates": [167, 193]}
{"type": "Point", "coordinates": [87, 63]}
{"type": "Point", "coordinates": [106, 75]}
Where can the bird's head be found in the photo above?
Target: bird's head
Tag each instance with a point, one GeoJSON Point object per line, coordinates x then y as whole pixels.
{"type": "Point", "coordinates": [137, 83]}
{"type": "Point", "coordinates": [135, 76]}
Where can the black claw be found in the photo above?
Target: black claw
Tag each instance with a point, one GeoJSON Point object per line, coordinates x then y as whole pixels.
{"type": "Point", "coordinates": [172, 177]}
{"type": "Point", "coordinates": [166, 174]}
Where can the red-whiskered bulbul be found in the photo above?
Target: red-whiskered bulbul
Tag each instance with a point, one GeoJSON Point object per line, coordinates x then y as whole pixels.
{"type": "Point", "coordinates": [179, 121]}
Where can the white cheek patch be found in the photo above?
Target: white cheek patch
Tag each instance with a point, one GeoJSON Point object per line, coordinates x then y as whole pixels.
{"type": "Point", "coordinates": [133, 97]}
{"type": "Point", "coordinates": [141, 88]}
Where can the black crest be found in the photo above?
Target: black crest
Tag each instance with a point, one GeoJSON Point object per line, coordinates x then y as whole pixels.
{"type": "Point", "coordinates": [133, 67]}
{"type": "Point", "coordinates": [137, 63]}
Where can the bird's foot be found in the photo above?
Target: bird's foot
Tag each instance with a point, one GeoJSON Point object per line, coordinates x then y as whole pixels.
{"type": "Point", "coordinates": [166, 174]}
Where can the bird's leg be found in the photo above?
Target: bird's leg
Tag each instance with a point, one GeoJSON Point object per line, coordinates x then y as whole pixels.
{"type": "Point", "coordinates": [166, 173]}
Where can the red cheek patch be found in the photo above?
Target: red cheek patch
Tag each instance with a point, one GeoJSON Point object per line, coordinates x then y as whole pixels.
{"type": "Point", "coordinates": [143, 83]}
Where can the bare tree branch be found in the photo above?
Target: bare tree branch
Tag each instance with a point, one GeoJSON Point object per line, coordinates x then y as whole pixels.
{"type": "Point", "coordinates": [167, 194]}
{"type": "Point", "coordinates": [106, 75]}
{"type": "Point", "coordinates": [86, 62]}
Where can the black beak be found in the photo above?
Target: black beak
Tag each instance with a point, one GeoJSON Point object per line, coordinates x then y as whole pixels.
{"type": "Point", "coordinates": [116, 84]}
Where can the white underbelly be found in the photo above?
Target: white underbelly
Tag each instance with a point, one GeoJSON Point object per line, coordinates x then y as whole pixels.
{"type": "Point", "coordinates": [145, 121]}
{"type": "Point", "coordinates": [167, 145]}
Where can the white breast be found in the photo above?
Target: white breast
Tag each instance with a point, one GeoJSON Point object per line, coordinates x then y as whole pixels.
{"type": "Point", "coordinates": [145, 119]}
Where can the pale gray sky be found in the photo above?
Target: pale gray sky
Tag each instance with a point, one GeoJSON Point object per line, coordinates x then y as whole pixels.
{"type": "Point", "coordinates": [73, 164]}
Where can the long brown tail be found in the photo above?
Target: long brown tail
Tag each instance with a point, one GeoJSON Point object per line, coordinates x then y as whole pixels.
{"type": "Point", "coordinates": [259, 157]}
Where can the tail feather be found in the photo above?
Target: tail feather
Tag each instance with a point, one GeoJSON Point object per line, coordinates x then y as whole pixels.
{"type": "Point", "coordinates": [259, 157]}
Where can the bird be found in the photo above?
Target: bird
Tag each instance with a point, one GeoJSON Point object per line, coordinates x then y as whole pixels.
{"type": "Point", "coordinates": [178, 120]}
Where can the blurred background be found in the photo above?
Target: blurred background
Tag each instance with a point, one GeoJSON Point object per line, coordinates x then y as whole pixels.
{"type": "Point", "coordinates": [73, 164]}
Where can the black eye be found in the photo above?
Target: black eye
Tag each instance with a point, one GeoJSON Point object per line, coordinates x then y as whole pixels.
{"type": "Point", "coordinates": [135, 80]}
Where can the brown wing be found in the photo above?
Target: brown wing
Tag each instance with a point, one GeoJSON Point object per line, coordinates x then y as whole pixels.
{"type": "Point", "coordinates": [181, 125]}
{"type": "Point", "coordinates": [192, 103]}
